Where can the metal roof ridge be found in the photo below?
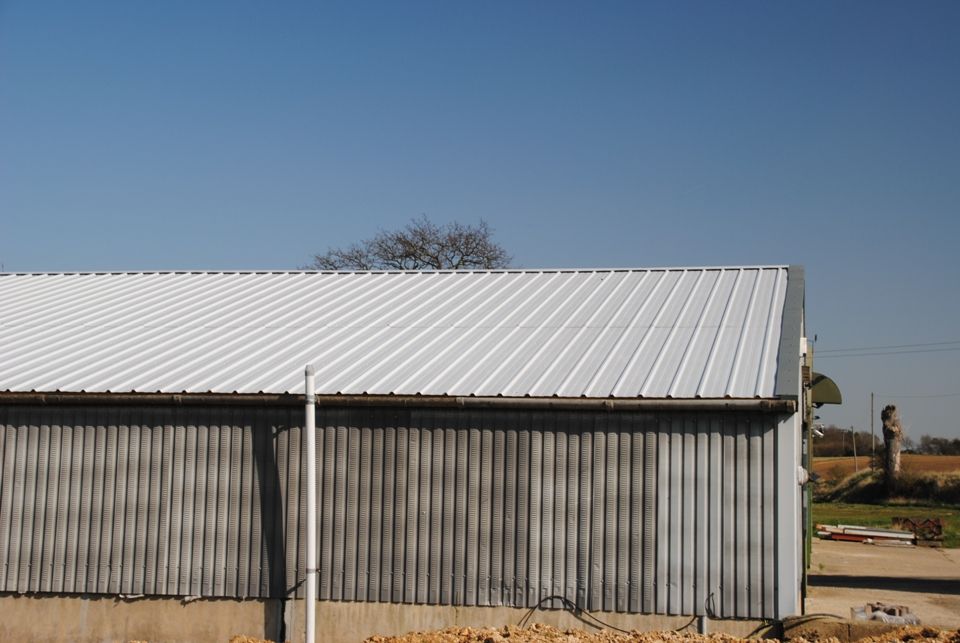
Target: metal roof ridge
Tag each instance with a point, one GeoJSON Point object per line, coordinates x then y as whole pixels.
{"type": "Point", "coordinates": [392, 272]}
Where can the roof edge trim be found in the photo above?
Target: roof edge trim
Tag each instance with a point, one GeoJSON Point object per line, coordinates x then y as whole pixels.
{"type": "Point", "coordinates": [518, 403]}
{"type": "Point", "coordinates": [791, 330]}
{"type": "Point", "coordinates": [87, 273]}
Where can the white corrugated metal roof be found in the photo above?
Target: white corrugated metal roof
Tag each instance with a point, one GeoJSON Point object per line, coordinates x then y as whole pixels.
{"type": "Point", "coordinates": [680, 333]}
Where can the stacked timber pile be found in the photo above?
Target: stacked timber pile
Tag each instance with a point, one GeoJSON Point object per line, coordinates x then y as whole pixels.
{"type": "Point", "coordinates": [860, 534]}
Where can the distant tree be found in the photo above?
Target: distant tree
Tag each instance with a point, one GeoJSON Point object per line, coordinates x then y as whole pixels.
{"type": "Point", "coordinates": [837, 441]}
{"type": "Point", "coordinates": [909, 446]}
{"type": "Point", "coordinates": [938, 446]}
{"type": "Point", "coordinates": [421, 245]}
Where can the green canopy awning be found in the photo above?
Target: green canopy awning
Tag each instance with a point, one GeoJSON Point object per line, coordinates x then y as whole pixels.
{"type": "Point", "coordinates": [824, 390]}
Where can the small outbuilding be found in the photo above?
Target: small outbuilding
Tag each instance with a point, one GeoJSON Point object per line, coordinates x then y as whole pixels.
{"type": "Point", "coordinates": [628, 440]}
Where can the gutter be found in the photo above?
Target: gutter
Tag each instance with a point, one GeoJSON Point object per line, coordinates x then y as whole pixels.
{"type": "Point", "coordinates": [640, 404]}
{"type": "Point", "coordinates": [769, 405]}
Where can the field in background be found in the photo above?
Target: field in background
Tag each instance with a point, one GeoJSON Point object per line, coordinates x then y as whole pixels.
{"type": "Point", "coordinates": [836, 468]}
{"type": "Point", "coordinates": [841, 513]}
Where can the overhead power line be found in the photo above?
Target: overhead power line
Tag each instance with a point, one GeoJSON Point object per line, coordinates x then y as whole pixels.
{"type": "Point", "coordinates": [898, 395]}
{"type": "Point", "coordinates": [819, 355]}
{"type": "Point", "coordinates": [891, 346]}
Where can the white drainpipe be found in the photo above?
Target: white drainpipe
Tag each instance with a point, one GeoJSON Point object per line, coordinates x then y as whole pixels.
{"type": "Point", "coordinates": [310, 449]}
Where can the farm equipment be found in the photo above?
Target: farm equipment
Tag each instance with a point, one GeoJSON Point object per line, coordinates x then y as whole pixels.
{"type": "Point", "coordinates": [927, 531]}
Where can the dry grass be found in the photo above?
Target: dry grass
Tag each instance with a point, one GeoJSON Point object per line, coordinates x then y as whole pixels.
{"type": "Point", "coordinates": [841, 467]}
{"type": "Point", "coordinates": [868, 486]}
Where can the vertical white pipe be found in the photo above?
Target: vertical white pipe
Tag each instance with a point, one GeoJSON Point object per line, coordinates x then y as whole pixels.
{"type": "Point", "coordinates": [310, 451]}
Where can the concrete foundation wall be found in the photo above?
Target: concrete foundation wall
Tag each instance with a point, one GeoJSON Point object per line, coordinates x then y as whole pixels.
{"type": "Point", "coordinates": [353, 622]}
{"type": "Point", "coordinates": [31, 619]}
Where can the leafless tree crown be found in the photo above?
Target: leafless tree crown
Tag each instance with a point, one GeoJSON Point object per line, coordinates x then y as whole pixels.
{"type": "Point", "coordinates": [421, 245]}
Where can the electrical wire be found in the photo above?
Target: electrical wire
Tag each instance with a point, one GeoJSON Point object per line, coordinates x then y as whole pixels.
{"type": "Point", "coordinates": [896, 352]}
{"type": "Point", "coordinates": [932, 395]}
{"type": "Point", "coordinates": [873, 348]}
{"type": "Point", "coordinates": [769, 624]}
{"type": "Point", "coordinates": [764, 627]}
{"type": "Point", "coordinates": [693, 619]}
{"type": "Point", "coordinates": [575, 609]}
{"type": "Point", "coordinates": [803, 619]}
{"type": "Point", "coordinates": [709, 605]}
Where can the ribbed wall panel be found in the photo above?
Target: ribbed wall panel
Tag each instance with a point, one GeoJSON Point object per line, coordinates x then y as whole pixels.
{"type": "Point", "coordinates": [631, 512]}
{"type": "Point", "coordinates": [140, 500]}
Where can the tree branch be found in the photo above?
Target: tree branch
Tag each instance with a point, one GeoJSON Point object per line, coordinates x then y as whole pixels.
{"type": "Point", "coordinates": [421, 245]}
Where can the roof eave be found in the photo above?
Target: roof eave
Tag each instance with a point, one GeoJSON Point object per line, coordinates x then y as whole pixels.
{"type": "Point", "coordinates": [432, 401]}
{"type": "Point", "coordinates": [791, 330]}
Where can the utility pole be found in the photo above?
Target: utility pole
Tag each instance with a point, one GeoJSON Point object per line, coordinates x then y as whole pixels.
{"type": "Point", "coordinates": [873, 439]}
{"type": "Point", "coordinates": [853, 436]}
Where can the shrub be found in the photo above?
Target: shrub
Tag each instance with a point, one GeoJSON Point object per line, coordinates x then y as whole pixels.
{"type": "Point", "coordinates": [864, 486]}
{"type": "Point", "coordinates": [936, 487]}
{"type": "Point", "coordinates": [868, 487]}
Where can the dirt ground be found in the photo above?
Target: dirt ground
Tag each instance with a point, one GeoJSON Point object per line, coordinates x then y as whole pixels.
{"type": "Point", "coordinates": [546, 633]}
{"type": "Point", "coordinates": [540, 632]}
{"type": "Point", "coordinates": [927, 580]}
{"type": "Point", "coordinates": [843, 575]}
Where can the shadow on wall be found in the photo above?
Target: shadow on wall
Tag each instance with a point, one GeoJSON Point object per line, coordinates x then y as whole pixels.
{"type": "Point", "coordinates": [272, 527]}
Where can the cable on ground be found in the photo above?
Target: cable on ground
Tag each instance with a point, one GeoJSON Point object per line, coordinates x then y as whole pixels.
{"type": "Point", "coordinates": [578, 612]}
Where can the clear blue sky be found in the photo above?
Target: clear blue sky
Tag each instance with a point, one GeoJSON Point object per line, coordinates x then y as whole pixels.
{"type": "Point", "coordinates": [168, 135]}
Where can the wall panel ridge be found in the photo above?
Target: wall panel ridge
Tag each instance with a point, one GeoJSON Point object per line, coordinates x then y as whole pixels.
{"type": "Point", "coordinates": [670, 513]}
{"type": "Point", "coordinates": [152, 500]}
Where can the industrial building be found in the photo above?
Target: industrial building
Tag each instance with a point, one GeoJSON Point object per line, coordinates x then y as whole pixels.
{"type": "Point", "coordinates": [629, 440]}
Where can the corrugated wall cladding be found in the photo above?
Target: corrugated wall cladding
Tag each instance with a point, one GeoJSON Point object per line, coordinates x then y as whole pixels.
{"type": "Point", "coordinates": [183, 501]}
{"type": "Point", "coordinates": [618, 511]}
{"type": "Point", "coordinates": [680, 333]}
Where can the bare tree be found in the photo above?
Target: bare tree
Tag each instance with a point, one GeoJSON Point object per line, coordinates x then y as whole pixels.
{"type": "Point", "coordinates": [892, 436]}
{"type": "Point", "coordinates": [421, 245]}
